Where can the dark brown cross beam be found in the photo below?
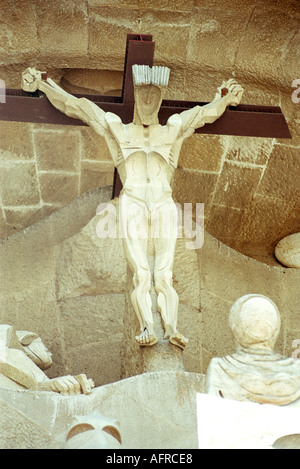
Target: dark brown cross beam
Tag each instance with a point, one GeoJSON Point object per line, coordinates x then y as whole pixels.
{"type": "Point", "coordinates": [243, 120]}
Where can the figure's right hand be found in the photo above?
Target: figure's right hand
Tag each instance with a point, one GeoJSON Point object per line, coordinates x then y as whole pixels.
{"type": "Point", "coordinates": [68, 385]}
{"type": "Point", "coordinates": [30, 79]}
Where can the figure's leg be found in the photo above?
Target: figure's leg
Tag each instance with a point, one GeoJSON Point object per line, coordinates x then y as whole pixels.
{"type": "Point", "coordinates": [167, 299]}
{"type": "Point", "coordinates": [135, 249]}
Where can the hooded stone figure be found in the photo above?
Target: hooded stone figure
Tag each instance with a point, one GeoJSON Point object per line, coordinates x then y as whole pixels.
{"type": "Point", "coordinates": [255, 372]}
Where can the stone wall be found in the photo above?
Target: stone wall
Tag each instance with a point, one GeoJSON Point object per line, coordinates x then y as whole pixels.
{"type": "Point", "coordinates": [250, 186]}
{"type": "Point", "coordinates": [44, 167]}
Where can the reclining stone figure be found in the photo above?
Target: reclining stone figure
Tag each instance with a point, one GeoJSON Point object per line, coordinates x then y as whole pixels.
{"type": "Point", "coordinates": [23, 357]}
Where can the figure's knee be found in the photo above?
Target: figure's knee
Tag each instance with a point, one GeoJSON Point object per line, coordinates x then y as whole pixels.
{"type": "Point", "coordinates": [163, 279]}
{"type": "Point", "coordinates": [142, 277]}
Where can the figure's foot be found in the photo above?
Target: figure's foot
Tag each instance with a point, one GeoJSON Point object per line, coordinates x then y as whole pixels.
{"type": "Point", "coordinates": [179, 340]}
{"type": "Point", "coordinates": [176, 338]}
{"type": "Point", "coordinates": [146, 339]}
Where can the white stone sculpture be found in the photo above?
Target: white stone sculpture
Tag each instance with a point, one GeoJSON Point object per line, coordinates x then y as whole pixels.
{"type": "Point", "coordinates": [255, 372]}
{"type": "Point", "coordinates": [93, 431]}
{"type": "Point", "coordinates": [287, 251]}
{"type": "Point", "coordinates": [23, 357]}
{"type": "Point", "coordinates": [146, 155]}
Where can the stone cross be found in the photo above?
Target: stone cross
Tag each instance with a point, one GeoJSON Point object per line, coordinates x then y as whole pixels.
{"type": "Point", "coordinates": [242, 120]}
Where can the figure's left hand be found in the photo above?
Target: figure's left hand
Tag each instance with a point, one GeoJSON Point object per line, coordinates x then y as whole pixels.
{"type": "Point", "coordinates": [234, 92]}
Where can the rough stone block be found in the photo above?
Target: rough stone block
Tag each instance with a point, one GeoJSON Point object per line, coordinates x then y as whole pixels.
{"type": "Point", "coordinates": [194, 187]}
{"type": "Point", "coordinates": [58, 188]}
{"type": "Point", "coordinates": [202, 153]}
{"type": "Point", "coordinates": [253, 150]}
{"type": "Point", "coordinates": [105, 23]}
{"type": "Point", "coordinates": [281, 178]}
{"type": "Point", "coordinates": [224, 223]}
{"type": "Point", "coordinates": [96, 174]}
{"type": "Point", "coordinates": [19, 184]}
{"type": "Point", "coordinates": [102, 315]}
{"type": "Point", "coordinates": [23, 216]}
{"type": "Point", "coordinates": [170, 28]}
{"type": "Point", "coordinates": [77, 270]}
{"type": "Point", "coordinates": [94, 146]}
{"type": "Point", "coordinates": [94, 324]}
{"type": "Point", "coordinates": [19, 31]}
{"type": "Point", "coordinates": [103, 82]}
{"type": "Point", "coordinates": [214, 37]}
{"type": "Point", "coordinates": [130, 4]}
{"type": "Point", "coordinates": [236, 185]}
{"type": "Point", "coordinates": [57, 151]}
{"type": "Point", "coordinates": [265, 41]}
{"type": "Point", "coordinates": [166, 5]}
{"type": "Point", "coordinates": [16, 141]}
{"type": "Point", "coordinates": [66, 24]}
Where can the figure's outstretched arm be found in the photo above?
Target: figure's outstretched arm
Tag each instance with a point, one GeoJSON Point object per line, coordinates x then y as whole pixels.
{"type": "Point", "coordinates": [198, 116]}
{"type": "Point", "coordinates": [18, 367]}
{"type": "Point", "coordinates": [79, 108]}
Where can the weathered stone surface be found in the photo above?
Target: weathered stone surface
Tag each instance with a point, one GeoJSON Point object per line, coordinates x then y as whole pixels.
{"type": "Point", "coordinates": [168, 24]}
{"type": "Point", "coordinates": [94, 146]}
{"type": "Point", "coordinates": [281, 176]}
{"type": "Point", "coordinates": [19, 183]}
{"type": "Point", "coordinates": [93, 81]}
{"type": "Point", "coordinates": [16, 141]}
{"type": "Point", "coordinates": [253, 150]}
{"type": "Point", "coordinates": [19, 31]}
{"type": "Point", "coordinates": [106, 22]}
{"type": "Point", "coordinates": [57, 151]}
{"type": "Point", "coordinates": [96, 174]}
{"type": "Point", "coordinates": [19, 432]}
{"type": "Point", "coordinates": [193, 187]}
{"type": "Point", "coordinates": [215, 37]}
{"type": "Point", "coordinates": [236, 185]}
{"type": "Point", "coordinates": [224, 223]}
{"type": "Point", "coordinates": [157, 403]}
{"type": "Point", "coordinates": [90, 265]}
{"type": "Point", "coordinates": [202, 153]}
{"type": "Point", "coordinates": [59, 188]}
{"type": "Point", "coordinates": [264, 29]}
{"type": "Point", "coordinates": [65, 24]}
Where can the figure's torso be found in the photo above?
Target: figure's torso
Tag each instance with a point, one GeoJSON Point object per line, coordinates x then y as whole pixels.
{"type": "Point", "coordinates": [146, 158]}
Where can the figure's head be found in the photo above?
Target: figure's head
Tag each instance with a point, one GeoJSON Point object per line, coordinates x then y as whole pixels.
{"type": "Point", "coordinates": [93, 431]}
{"type": "Point", "coordinates": [29, 342]}
{"type": "Point", "coordinates": [148, 84]}
{"type": "Point", "coordinates": [255, 322]}
{"type": "Point", "coordinates": [35, 349]}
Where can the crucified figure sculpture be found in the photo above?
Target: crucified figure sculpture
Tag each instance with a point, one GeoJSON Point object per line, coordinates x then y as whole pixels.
{"type": "Point", "coordinates": [146, 155]}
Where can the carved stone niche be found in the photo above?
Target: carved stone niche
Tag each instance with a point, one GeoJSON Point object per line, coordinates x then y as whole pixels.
{"type": "Point", "coordinates": [88, 81]}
